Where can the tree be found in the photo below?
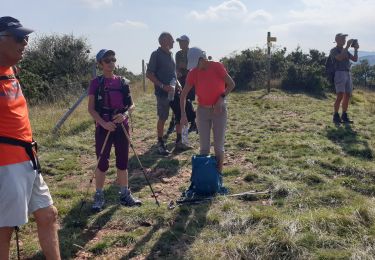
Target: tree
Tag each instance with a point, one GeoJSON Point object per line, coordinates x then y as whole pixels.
{"type": "Point", "coordinates": [363, 73]}
{"type": "Point", "coordinates": [305, 72]}
{"type": "Point", "coordinates": [54, 66]}
{"type": "Point", "coordinates": [248, 69]}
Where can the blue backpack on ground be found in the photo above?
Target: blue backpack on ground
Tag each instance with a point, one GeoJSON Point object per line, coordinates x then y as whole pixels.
{"type": "Point", "coordinates": [205, 179]}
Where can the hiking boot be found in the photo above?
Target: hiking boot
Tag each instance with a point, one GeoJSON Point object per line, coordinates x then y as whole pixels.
{"type": "Point", "coordinates": [345, 118]}
{"type": "Point", "coordinates": [98, 201]}
{"type": "Point", "coordinates": [180, 146]}
{"type": "Point", "coordinates": [162, 150]}
{"type": "Point", "coordinates": [127, 199]}
{"type": "Point", "coordinates": [336, 118]}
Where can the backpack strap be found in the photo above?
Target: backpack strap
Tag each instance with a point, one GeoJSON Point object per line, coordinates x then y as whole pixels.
{"type": "Point", "coordinates": [12, 76]}
{"type": "Point", "coordinates": [99, 95]}
{"type": "Point", "coordinates": [28, 148]}
{"type": "Point", "coordinates": [125, 90]}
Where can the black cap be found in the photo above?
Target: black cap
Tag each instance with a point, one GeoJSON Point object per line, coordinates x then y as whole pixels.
{"type": "Point", "coordinates": [13, 26]}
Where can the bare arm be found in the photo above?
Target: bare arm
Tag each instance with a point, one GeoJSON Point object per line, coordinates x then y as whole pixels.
{"type": "Point", "coordinates": [151, 76]}
{"type": "Point", "coordinates": [229, 84]}
{"type": "Point", "coordinates": [344, 53]}
{"type": "Point", "coordinates": [355, 56]}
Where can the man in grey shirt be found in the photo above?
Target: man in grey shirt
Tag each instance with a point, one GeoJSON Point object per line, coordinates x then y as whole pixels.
{"type": "Point", "coordinates": [161, 70]}
{"type": "Point", "coordinates": [343, 80]}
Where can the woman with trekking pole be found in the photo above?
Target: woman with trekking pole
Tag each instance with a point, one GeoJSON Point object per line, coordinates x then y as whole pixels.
{"type": "Point", "coordinates": [110, 102]}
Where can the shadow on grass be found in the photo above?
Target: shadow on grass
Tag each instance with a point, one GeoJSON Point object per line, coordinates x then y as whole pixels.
{"type": "Point", "coordinates": [151, 159]}
{"type": "Point", "coordinates": [350, 141]}
{"type": "Point", "coordinates": [77, 229]}
{"type": "Point", "coordinates": [174, 242]}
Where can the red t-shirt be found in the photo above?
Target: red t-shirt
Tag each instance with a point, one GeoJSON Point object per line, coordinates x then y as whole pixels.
{"type": "Point", "coordinates": [209, 83]}
{"type": "Point", "coordinates": [14, 119]}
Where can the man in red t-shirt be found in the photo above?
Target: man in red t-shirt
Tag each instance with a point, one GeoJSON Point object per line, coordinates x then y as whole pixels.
{"type": "Point", "coordinates": [22, 188]}
{"type": "Point", "coordinates": [212, 84]}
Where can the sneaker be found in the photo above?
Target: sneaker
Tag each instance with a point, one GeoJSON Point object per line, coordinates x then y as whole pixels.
{"type": "Point", "coordinates": [180, 146]}
{"type": "Point", "coordinates": [98, 201]}
{"type": "Point", "coordinates": [345, 118]}
{"type": "Point", "coordinates": [162, 150]}
{"type": "Point", "coordinates": [336, 118]}
{"type": "Point", "coordinates": [127, 199]}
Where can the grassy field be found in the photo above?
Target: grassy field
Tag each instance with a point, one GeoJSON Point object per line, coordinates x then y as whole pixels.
{"type": "Point", "coordinates": [321, 178]}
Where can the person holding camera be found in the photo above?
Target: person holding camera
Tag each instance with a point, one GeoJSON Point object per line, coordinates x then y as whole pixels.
{"type": "Point", "coordinates": [343, 80]}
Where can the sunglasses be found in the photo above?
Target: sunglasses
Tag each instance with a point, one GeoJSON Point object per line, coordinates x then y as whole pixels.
{"type": "Point", "coordinates": [17, 39]}
{"type": "Point", "coordinates": [109, 60]}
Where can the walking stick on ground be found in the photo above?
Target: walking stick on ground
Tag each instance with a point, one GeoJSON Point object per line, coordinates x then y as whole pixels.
{"type": "Point", "coordinates": [93, 174]}
{"type": "Point", "coordinates": [140, 164]}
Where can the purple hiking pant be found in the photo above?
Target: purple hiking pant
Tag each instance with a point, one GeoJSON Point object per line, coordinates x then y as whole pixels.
{"type": "Point", "coordinates": [120, 142]}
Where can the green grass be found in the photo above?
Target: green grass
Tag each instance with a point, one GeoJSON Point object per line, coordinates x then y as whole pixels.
{"type": "Point", "coordinates": [321, 178]}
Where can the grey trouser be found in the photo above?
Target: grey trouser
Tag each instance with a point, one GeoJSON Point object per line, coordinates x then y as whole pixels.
{"type": "Point", "coordinates": [207, 120]}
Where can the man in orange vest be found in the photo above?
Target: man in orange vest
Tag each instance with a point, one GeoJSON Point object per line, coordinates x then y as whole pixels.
{"type": "Point", "coordinates": [22, 188]}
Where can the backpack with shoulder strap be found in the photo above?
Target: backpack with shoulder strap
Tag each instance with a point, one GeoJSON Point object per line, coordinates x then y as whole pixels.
{"type": "Point", "coordinates": [205, 179]}
{"type": "Point", "coordinates": [31, 148]}
{"type": "Point", "coordinates": [101, 92]}
{"type": "Point", "coordinates": [330, 67]}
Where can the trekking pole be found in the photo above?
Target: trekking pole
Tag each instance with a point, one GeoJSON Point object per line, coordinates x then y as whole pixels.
{"type": "Point", "coordinates": [131, 121]}
{"type": "Point", "coordinates": [140, 164]}
{"type": "Point", "coordinates": [93, 174]}
{"type": "Point", "coordinates": [17, 229]}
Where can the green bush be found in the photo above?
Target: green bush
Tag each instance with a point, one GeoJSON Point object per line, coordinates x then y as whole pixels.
{"type": "Point", "coordinates": [305, 72]}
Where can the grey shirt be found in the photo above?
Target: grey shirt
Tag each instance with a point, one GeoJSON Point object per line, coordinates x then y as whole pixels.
{"type": "Point", "coordinates": [163, 66]}
{"type": "Point", "coordinates": [343, 65]}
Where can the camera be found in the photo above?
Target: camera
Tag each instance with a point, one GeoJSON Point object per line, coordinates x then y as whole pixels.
{"type": "Point", "coordinates": [354, 43]}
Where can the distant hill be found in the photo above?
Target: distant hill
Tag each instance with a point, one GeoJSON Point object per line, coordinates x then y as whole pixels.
{"type": "Point", "coordinates": [367, 55]}
{"type": "Point", "coordinates": [370, 58]}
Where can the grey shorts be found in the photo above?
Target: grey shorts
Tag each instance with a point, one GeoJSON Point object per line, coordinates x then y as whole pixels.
{"type": "Point", "coordinates": [343, 82]}
{"type": "Point", "coordinates": [162, 104]}
{"type": "Point", "coordinates": [22, 192]}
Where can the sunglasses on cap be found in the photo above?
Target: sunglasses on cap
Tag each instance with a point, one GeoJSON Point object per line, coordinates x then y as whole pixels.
{"type": "Point", "coordinates": [109, 60]}
{"type": "Point", "coordinates": [17, 39]}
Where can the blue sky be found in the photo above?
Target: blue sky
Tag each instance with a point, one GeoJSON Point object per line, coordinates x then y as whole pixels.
{"type": "Point", "coordinates": [221, 27]}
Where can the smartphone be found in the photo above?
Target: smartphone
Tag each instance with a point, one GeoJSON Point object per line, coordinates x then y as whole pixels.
{"type": "Point", "coordinates": [354, 43]}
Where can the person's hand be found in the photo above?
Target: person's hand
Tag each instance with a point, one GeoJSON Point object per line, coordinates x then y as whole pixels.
{"type": "Point", "coordinates": [109, 126]}
{"type": "Point", "coordinates": [349, 43]}
{"type": "Point", "coordinates": [218, 107]}
{"type": "Point", "coordinates": [119, 118]}
{"type": "Point", "coordinates": [184, 120]}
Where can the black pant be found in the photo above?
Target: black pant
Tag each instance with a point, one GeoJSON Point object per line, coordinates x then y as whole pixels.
{"type": "Point", "coordinates": [189, 109]}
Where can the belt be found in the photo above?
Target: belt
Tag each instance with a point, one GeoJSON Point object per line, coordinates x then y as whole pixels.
{"type": "Point", "coordinates": [29, 148]}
